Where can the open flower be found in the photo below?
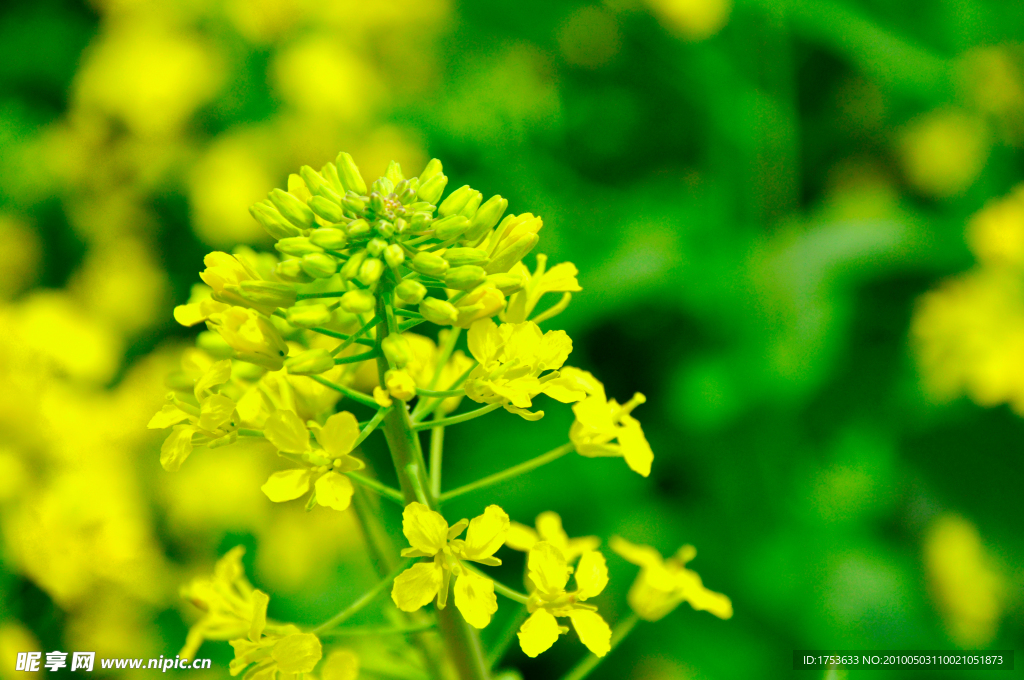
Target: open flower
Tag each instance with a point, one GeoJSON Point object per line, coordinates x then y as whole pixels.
{"type": "Point", "coordinates": [327, 464]}
{"type": "Point", "coordinates": [665, 583]}
{"type": "Point", "coordinates": [430, 536]}
{"type": "Point", "coordinates": [559, 279]}
{"type": "Point", "coordinates": [600, 420]}
{"type": "Point", "coordinates": [280, 653]}
{"type": "Point", "coordinates": [549, 572]}
{"type": "Point", "coordinates": [549, 529]}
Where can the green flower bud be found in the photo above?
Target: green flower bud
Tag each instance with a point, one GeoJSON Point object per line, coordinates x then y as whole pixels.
{"type": "Point", "coordinates": [394, 172]}
{"type": "Point", "coordinates": [351, 267]}
{"type": "Point", "coordinates": [401, 225]}
{"type": "Point", "coordinates": [406, 190]}
{"type": "Point", "coordinates": [290, 270]}
{"type": "Point", "coordinates": [431, 189]}
{"type": "Point", "coordinates": [319, 265]}
{"type": "Point", "coordinates": [370, 271]}
{"type": "Point", "coordinates": [411, 291]}
{"type": "Point", "coordinates": [357, 228]}
{"type": "Point", "coordinates": [330, 173]}
{"type": "Point", "coordinates": [420, 206]}
{"type": "Point", "coordinates": [297, 245]}
{"type": "Point", "coordinates": [384, 228]}
{"type": "Point", "coordinates": [349, 174]}
{"type": "Point", "coordinates": [354, 203]}
{"type": "Point", "coordinates": [312, 179]}
{"type": "Point", "coordinates": [358, 301]}
{"type": "Point", "coordinates": [469, 211]}
{"type": "Point", "coordinates": [450, 227]}
{"type": "Point", "coordinates": [397, 350]}
{"type": "Point", "coordinates": [459, 256]}
{"type": "Point", "coordinates": [273, 221]}
{"type": "Point", "coordinates": [394, 255]}
{"type": "Point", "coordinates": [429, 264]}
{"type": "Point", "coordinates": [294, 210]}
{"type": "Point", "coordinates": [308, 316]}
{"type": "Point", "coordinates": [433, 168]}
{"type": "Point", "coordinates": [328, 192]}
{"type": "Point", "coordinates": [465, 277]}
{"type": "Point", "coordinates": [376, 246]}
{"type": "Point", "coordinates": [486, 217]}
{"type": "Point", "coordinates": [313, 362]}
{"type": "Point", "coordinates": [441, 312]}
{"type": "Point", "coordinates": [383, 186]}
{"type": "Point", "coordinates": [507, 283]}
{"type": "Point", "coordinates": [420, 221]}
{"type": "Point", "coordinates": [326, 210]}
{"type": "Point", "coordinates": [328, 238]}
{"type": "Point", "coordinates": [377, 203]}
{"type": "Point", "coordinates": [456, 201]}
{"type": "Point", "coordinates": [512, 253]}
{"type": "Point", "coordinates": [267, 293]}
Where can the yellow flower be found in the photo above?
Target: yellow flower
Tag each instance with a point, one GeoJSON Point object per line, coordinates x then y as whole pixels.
{"type": "Point", "coordinates": [251, 335]}
{"type": "Point", "coordinates": [548, 572]}
{"type": "Point", "coordinates": [549, 529]}
{"type": "Point", "coordinates": [517, 362]}
{"type": "Point", "coordinates": [341, 664]}
{"type": "Point", "coordinates": [430, 536]}
{"type": "Point", "coordinates": [996, 232]}
{"type": "Point", "coordinates": [944, 151]}
{"type": "Point", "coordinates": [600, 420]}
{"type": "Point", "coordinates": [691, 19]}
{"type": "Point", "coordinates": [328, 464]}
{"type": "Point", "coordinates": [400, 384]}
{"type": "Point", "coordinates": [559, 279]}
{"type": "Point", "coordinates": [284, 654]}
{"type": "Point", "coordinates": [663, 584]}
{"type": "Point", "coordinates": [213, 416]}
{"type": "Point", "coordinates": [199, 307]}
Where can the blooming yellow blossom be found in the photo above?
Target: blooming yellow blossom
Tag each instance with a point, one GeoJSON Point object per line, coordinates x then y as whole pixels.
{"type": "Point", "coordinates": [430, 536]}
{"type": "Point", "coordinates": [548, 572]}
{"type": "Point", "coordinates": [599, 420]}
{"type": "Point", "coordinates": [663, 584]}
{"type": "Point", "coordinates": [251, 335]}
{"type": "Point", "coordinates": [285, 653]}
{"type": "Point", "coordinates": [517, 362]}
{"type": "Point", "coordinates": [328, 464]}
{"type": "Point", "coordinates": [549, 529]}
{"type": "Point", "coordinates": [559, 279]}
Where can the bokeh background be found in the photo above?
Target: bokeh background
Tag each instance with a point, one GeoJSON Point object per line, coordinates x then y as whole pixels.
{"type": "Point", "coordinates": [778, 209]}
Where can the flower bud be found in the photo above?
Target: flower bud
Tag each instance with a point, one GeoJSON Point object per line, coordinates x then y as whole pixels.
{"type": "Point", "coordinates": [469, 210]}
{"type": "Point", "coordinates": [290, 270]}
{"type": "Point", "coordinates": [441, 312]}
{"type": "Point", "coordinates": [376, 246]}
{"type": "Point", "coordinates": [466, 277]}
{"type": "Point", "coordinates": [429, 264]}
{"type": "Point", "coordinates": [394, 255]}
{"type": "Point", "coordinates": [353, 203]}
{"type": "Point", "coordinates": [394, 173]}
{"type": "Point", "coordinates": [267, 293]}
{"type": "Point", "coordinates": [308, 316]}
{"type": "Point", "coordinates": [313, 362]}
{"type": "Point", "coordinates": [461, 256]}
{"type": "Point", "coordinates": [486, 217]}
{"type": "Point", "coordinates": [312, 179]}
{"type": "Point", "coordinates": [456, 201]}
{"type": "Point", "coordinates": [293, 210]}
{"type": "Point", "coordinates": [357, 228]}
{"type": "Point", "coordinates": [420, 221]}
{"type": "Point", "coordinates": [319, 265]}
{"type": "Point", "coordinates": [326, 210]}
{"type": "Point", "coordinates": [358, 301]}
{"type": "Point", "coordinates": [432, 168]}
{"type": "Point", "coordinates": [515, 251]}
{"type": "Point", "coordinates": [297, 246]}
{"type": "Point", "coordinates": [328, 238]}
{"type": "Point", "coordinates": [384, 228]}
{"type": "Point", "coordinates": [330, 173]}
{"type": "Point", "coordinates": [352, 265]}
{"type": "Point", "coordinates": [370, 271]}
{"type": "Point", "coordinates": [411, 291]}
{"type": "Point", "coordinates": [400, 385]}
{"type": "Point", "coordinates": [349, 174]}
{"type": "Point", "coordinates": [272, 221]}
{"type": "Point", "coordinates": [450, 227]}
{"type": "Point", "coordinates": [397, 350]}
{"type": "Point", "coordinates": [482, 303]}
{"type": "Point", "coordinates": [507, 283]}
{"type": "Point", "coordinates": [377, 203]}
{"type": "Point", "coordinates": [431, 189]}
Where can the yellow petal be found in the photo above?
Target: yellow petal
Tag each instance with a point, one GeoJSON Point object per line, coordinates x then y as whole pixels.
{"type": "Point", "coordinates": [176, 447]}
{"type": "Point", "coordinates": [298, 653]}
{"type": "Point", "coordinates": [635, 448]}
{"type": "Point", "coordinates": [547, 568]}
{"type": "Point", "coordinates": [287, 485]}
{"type": "Point", "coordinates": [168, 415]}
{"type": "Point", "coordinates": [520, 537]}
{"type": "Point", "coordinates": [702, 599]}
{"type": "Point", "coordinates": [640, 555]}
{"type": "Point", "coordinates": [474, 596]}
{"type": "Point", "coordinates": [215, 411]}
{"type": "Point", "coordinates": [593, 631]}
{"type": "Point", "coordinates": [565, 390]}
{"type": "Point", "coordinates": [260, 600]}
{"type": "Point", "coordinates": [484, 341]}
{"type": "Point", "coordinates": [416, 586]}
{"type": "Point", "coordinates": [341, 664]}
{"type": "Point", "coordinates": [426, 530]}
{"type": "Point", "coordinates": [287, 432]}
{"type": "Point", "coordinates": [554, 350]}
{"type": "Point", "coordinates": [334, 491]}
{"type": "Point", "coordinates": [382, 397]}
{"type": "Point", "coordinates": [218, 374]}
{"type": "Point", "coordinates": [549, 526]}
{"type": "Point", "coordinates": [538, 633]}
{"type": "Point", "coordinates": [486, 533]}
{"type": "Point", "coordinates": [591, 574]}
{"type": "Point", "coordinates": [338, 434]}
{"type": "Point", "coordinates": [189, 315]}
{"type": "Point", "coordinates": [559, 279]}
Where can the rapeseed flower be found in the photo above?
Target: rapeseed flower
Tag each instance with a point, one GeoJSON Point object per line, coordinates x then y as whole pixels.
{"type": "Point", "coordinates": [549, 529]}
{"type": "Point", "coordinates": [559, 279]}
{"type": "Point", "coordinates": [600, 420]}
{"type": "Point", "coordinates": [284, 654]}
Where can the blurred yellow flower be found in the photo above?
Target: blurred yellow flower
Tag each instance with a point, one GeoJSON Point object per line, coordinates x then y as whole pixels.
{"type": "Point", "coordinates": [122, 284]}
{"type": "Point", "coordinates": [549, 529]}
{"type": "Point", "coordinates": [996, 232]}
{"type": "Point", "coordinates": [944, 151]}
{"type": "Point", "coordinates": [691, 19]}
{"type": "Point", "coordinates": [283, 653]}
{"type": "Point", "coordinates": [15, 638]}
{"type": "Point", "coordinates": [341, 664]}
{"type": "Point", "coordinates": [19, 257]}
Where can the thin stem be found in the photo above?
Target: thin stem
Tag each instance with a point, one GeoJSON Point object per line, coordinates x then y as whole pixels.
{"type": "Point", "coordinates": [436, 454]}
{"type": "Point", "coordinates": [621, 630]}
{"type": "Point", "coordinates": [356, 358]}
{"type": "Point", "coordinates": [426, 407]}
{"type": "Point", "coordinates": [513, 471]}
{"type": "Point", "coordinates": [381, 630]}
{"type": "Point", "coordinates": [352, 338]}
{"type": "Point", "coordinates": [312, 296]}
{"type": "Point", "coordinates": [408, 313]}
{"type": "Point", "coordinates": [445, 355]}
{"type": "Point", "coordinates": [243, 432]}
{"type": "Point", "coordinates": [409, 324]}
{"type": "Point", "coordinates": [354, 608]}
{"type": "Point", "coordinates": [354, 395]}
{"type": "Point", "coordinates": [371, 426]}
{"type": "Point", "coordinates": [342, 336]}
{"type": "Point", "coordinates": [383, 489]}
{"type": "Point", "coordinates": [444, 394]}
{"type": "Point", "coordinates": [455, 420]}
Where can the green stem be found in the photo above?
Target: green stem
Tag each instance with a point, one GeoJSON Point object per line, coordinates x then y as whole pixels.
{"type": "Point", "coordinates": [352, 338]}
{"type": "Point", "coordinates": [513, 471]}
{"type": "Point", "coordinates": [354, 608]}
{"type": "Point", "coordinates": [243, 432]}
{"type": "Point", "coordinates": [313, 296]}
{"type": "Point", "coordinates": [408, 313]}
{"type": "Point", "coordinates": [371, 426]}
{"type": "Point", "coordinates": [445, 355]}
{"type": "Point", "coordinates": [354, 395]}
{"type": "Point", "coordinates": [436, 454]}
{"type": "Point", "coordinates": [356, 358]}
{"type": "Point", "coordinates": [621, 630]}
{"type": "Point", "coordinates": [342, 336]}
{"type": "Point", "coordinates": [425, 407]}
{"type": "Point", "coordinates": [409, 324]}
{"type": "Point", "coordinates": [444, 394]}
{"type": "Point", "coordinates": [381, 630]}
{"type": "Point", "coordinates": [383, 489]}
{"type": "Point", "coordinates": [455, 420]}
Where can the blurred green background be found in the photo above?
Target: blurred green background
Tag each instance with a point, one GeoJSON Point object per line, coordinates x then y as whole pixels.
{"type": "Point", "coordinates": [756, 196]}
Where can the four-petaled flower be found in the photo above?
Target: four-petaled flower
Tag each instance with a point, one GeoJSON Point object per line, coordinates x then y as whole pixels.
{"type": "Point", "coordinates": [430, 536]}
{"type": "Point", "coordinates": [663, 584]}
{"type": "Point", "coordinates": [600, 420]}
{"type": "Point", "coordinates": [284, 654]}
{"type": "Point", "coordinates": [549, 573]}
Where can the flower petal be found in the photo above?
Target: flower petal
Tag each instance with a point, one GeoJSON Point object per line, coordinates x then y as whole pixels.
{"type": "Point", "coordinates": [486, 533]}
{"type": "Point", "coordinates": [260, 600]}
{"type": "Point", "coordinates": [547, 568]}
{"type": "Point", "coordinates": [338, 434]}
{"type": "Point", "coordinates": [176, 447]}
{"type": "Point", "coordinates": [593, 630]}
{"type": "Point", "coordinates": [640, 555]}
{"type": "Point", "coordinates": [417, 586]}
{"type": "Point", "coordinates": [287, 485]}
{"type": "Point", "coordinates": [521, 537]}
{"type": "Point", "coordinates": [168, 415]}
{"type": "Point", "coordinates": [287, 432]}
{"type": "Point", "coordinates": [218, 374]}
{"type": "Point", "coordinates": [298, 653]}
{"type": "Point", "coordinates": [635, 449]}
{"type": "Point", "coordinates": [474, 596]}
{"type": "Point", "coordinates": [341, 664]}
{"type": "Point", "coordinates": [334, 491]}
{"type": "Point", "coordinates": [425, 529]}
{"type": "Point", "coordinates": [591, 574]}
{"type": "Point", "coordinates": [215, 411]}
{"type": "Point", "coordinates": [538, 633]}
{"type": "Point", "coordinates": [484, 340]}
